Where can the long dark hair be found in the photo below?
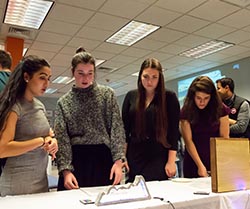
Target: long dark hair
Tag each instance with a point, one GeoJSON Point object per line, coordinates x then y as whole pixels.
{"type": "Point", "coordinates": [214, 107]}
{"type": "Point", "coordinates": [15, 88]}
{"type": "Point", "coordinates": [160, 101]}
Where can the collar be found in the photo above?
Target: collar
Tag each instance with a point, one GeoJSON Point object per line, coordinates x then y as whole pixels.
{"type": "Point", "coordinates": [229, 102]}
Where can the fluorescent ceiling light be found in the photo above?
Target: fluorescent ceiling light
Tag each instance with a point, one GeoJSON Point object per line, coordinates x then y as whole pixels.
{"type": "Point", "coordinates": [27, 13]}
{"type": "Point", "coordinates": [206, 49]}
{"type": "Point", "coordinates": [63, 79]}
{"type": "Point", "coordinates": [135, 74]}
{"type": "Point", "coordinates": [116, 85]}
{"type": "Point", "coordinates": [131, 33]}
{"type": "Point", "coordinates": [99, 62]}
{"type": "Point", "coordinates": [50, 91]}
{"type": "Point", "coordinates": [24, 51]}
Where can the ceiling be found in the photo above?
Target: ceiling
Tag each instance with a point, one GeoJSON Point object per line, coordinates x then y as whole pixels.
{"type": "Point", "coordinates": [184, 24]}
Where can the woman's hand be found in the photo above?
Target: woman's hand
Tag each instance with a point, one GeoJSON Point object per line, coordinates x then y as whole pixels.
{"type": "Point", "coordinates": [70, 181]}
{"type": "Point", "coordinates": [170, 169]}
{"type": "Point", "coordinates": [116, 171]}
{"type": "Point", "coordinates": [202, 171]}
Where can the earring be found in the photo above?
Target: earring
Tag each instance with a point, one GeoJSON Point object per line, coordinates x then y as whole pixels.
{"type": "Point", "coordinates": [27, 81]}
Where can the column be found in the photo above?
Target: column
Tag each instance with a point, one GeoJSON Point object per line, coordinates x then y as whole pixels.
{"type": "Point", "coordinates": [15, 47]}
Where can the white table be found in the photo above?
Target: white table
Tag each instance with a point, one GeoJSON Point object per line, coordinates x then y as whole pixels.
{"type": "Point", "coordinates": [178, 193]}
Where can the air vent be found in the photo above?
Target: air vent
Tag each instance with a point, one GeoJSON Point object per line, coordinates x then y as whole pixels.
{"type": "Point", "coordinates": [19, 31]}
{"type": "Point", "coordinates": [106, 69]}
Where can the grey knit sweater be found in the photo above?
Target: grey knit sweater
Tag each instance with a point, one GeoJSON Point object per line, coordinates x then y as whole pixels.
{"type": "Point", "coordinates": [88, 116]}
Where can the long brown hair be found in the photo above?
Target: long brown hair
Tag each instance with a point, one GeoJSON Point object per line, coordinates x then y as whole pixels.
{"type": "Point", "coordinates": [160, 101]}
{"type": "Point", "coordinates": [214, 107]}
{"type": "Point", "coordinates": [16, 86]}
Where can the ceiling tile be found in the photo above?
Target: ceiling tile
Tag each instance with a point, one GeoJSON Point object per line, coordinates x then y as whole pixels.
{"type": "Point", "coordinates": [246, 44]}
{"type": "Point", "coordinates": [213, 10]}
{"type": "Point", "coordinates": [94, 33]}
{"type": "Point", "coordinates": [88, 4]}
{"type": "Point", "coordinates": [136, 52]}
{"type": "Point", "coordinates": [62, 60]}
{"type": "Point", "coordinates": [107, 22]}
{"type": "Point", "coordinates": [44, 54]}
{"type": "Point", "coordinates": [237, 37]}
{"type": "Point", "coordinates": [180, 5]}
{"type": "Point", "coordinates": [192, 23]}
{"type": "Point", "coordinates": [56, 26]}
{"type": "Point", "coordinates": [37, 45]}
{"type": "Point", "coordinates": [123, 58]}
{"type": "Point", "coordinates": [235, 50]}
{"type": "Point", "coordinates": [166, 35]}
{"type": "Point", "coordinates": [215, 31]}
{"type": "Point", "coordinates": [174, 49]}
{"type": "Point", "coordinates": [157, 16]}
{"type": "Point", "coordinates": [76, 15]}
{"type": "Point", "coordinates": [112, 48]}
{"type": "Point", "coordinates": [102, 55]}
{"type": "Point", "coordinates": [129, 69]}
{"type": "Point", "coordinates": [127, 9]}
{"type": "Point", "coordinates": [86, 43]}
{"type": "Point", "coordinates": [192, 41]}
{"type": "Point", "coordinates": [149, 44]}
{"type": "Point", "coordinates": [179, 60]}
{"type": "Point", "coordinates": [52, 38]}
{"type": "Point", "coordinates": [238, 20]}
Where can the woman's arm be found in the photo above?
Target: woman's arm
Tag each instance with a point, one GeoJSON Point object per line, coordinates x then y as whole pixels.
{"type": "Point", "coordinates": [224, 126]}
{"type": "Point", "coordinates": [9, 147]}
{"type": "Point", "coordinates": [64, 154]}
{"type": "Point", "coordinates": [187, 136]}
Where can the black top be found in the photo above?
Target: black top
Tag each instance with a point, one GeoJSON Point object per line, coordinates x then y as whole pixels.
{"type": "Point", "coordinates": [146, 156]}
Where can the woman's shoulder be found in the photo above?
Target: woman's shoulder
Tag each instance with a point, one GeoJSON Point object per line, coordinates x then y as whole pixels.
{"type": "Point", "coordinates": [171, 96]}
{"type": "Point", "coordinates": [131, 95]}
{"type": "Point", "coordinates": [66, 97]}
{"type": "Point", "coordinates": [170, 93]}
{"type": "Point", "coordinates": [104, 89]}
{"type": "Point", "coordinates": [225, 110]}
{"type": "Point", "coordinates": [132, 92]}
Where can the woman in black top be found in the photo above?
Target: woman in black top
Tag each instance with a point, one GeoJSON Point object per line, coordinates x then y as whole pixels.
{"type": "Point", "coordinates": [151, 120]}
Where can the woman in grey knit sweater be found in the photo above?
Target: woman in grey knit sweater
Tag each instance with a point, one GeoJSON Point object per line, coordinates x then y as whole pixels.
{"type": "Point", "coordinates": [89, 130]}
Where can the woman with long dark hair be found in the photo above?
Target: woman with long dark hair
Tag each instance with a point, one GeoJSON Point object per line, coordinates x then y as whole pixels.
{"type": "Point", "coordinates": [25, 135]}
{"type": "Point", "coordinates": [151, 120]}
{"type": "Point", "coordinates": [203, 116]}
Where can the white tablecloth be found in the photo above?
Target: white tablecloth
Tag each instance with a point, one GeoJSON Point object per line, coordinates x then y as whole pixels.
{"type": "Point", "coordinates": [180, 194]}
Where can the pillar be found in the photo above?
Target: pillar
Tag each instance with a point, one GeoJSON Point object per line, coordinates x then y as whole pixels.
{"type": "Point", "coordinates": [15, 47]}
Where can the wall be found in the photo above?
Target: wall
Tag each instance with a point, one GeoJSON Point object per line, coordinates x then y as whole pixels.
{"type": "Point", "coordinates": [240, 76]}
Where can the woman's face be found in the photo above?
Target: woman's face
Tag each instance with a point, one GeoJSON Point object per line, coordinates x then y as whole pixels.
{"type": "Point", "coordinates": [37, 85]}
{"type": "Point", "coordinates": [150, 79]}
{"type": "Point", "coordinates": [201, 99]}
{"type": "Point", "coordinates": [84, 75]}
